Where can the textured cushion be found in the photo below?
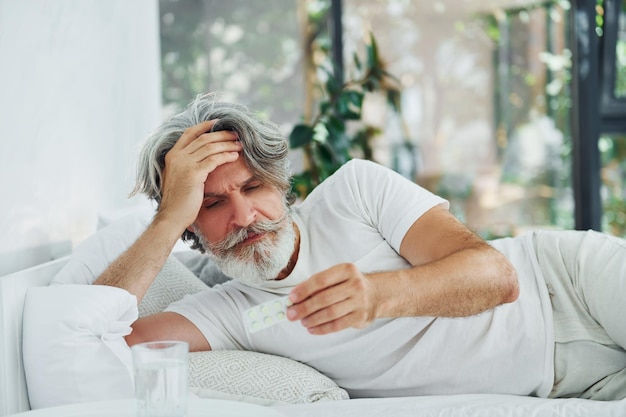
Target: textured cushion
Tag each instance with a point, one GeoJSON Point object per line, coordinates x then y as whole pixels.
{"type": "Point", "coordinates": [258, 378]}
{"type": "Point", "coordinates": [171, 284]}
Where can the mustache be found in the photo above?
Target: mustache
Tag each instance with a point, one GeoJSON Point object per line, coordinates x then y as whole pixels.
{"type": "Point", "coordinates": [237, 236]}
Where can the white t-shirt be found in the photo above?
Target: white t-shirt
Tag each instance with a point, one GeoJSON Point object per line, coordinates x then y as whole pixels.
{"type": "Point", "coordinates": [360, 215]}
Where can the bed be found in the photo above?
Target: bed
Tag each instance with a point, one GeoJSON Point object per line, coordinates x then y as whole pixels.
{"type": "Point", "coordinates": [34, 310]}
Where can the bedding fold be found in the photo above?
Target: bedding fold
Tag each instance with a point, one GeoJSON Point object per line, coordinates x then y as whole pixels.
{"type": "Point", "coordinates": [65, 328]}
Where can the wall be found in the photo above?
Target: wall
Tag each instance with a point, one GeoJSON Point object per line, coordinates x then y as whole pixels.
{"type": "Point", "coordinates": [79, 89]}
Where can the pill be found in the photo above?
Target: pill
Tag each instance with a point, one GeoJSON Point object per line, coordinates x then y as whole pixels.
{"type": "Point", "coordinates": [266, 314]}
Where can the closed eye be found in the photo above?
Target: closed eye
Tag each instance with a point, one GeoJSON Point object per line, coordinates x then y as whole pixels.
{"type": "Point", "coordinates": [252, 187]}
{"type": "Point", "coordinates": [212, 204]}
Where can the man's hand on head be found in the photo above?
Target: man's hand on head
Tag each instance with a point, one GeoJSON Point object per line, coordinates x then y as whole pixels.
{"type": "Point", "coordinates": [197, 153]}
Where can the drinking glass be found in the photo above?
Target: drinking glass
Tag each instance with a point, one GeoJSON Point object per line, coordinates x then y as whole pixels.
{"type": "Point", "coordinates": [161, 378]}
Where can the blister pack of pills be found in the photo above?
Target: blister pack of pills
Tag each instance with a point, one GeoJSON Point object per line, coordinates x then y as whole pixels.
{"type": "Point", "coordinates": [266, 314]}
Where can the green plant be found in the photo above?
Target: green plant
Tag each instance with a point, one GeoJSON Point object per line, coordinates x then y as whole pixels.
{"type": "Point", "coordinates": [325, 139]}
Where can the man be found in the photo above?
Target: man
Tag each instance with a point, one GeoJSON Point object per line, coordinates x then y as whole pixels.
{"type": "Point", "coordinates": [391, 294]}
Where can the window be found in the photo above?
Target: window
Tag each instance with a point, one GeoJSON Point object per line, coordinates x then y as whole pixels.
{"type": "Point", "coordinates": [513, 110]}
{"type": "Point", "coordinates": [250, 51]}
{"type": "Point", "coordinates": [486, 103]}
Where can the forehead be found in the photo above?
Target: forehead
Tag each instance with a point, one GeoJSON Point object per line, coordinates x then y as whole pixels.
{"type": "Point", "coordinates": [227, 177]}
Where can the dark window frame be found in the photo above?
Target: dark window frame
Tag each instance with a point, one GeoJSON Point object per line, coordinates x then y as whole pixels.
{"type": "Point", "coordinates": [585, 115]}
{"type": "Point", "coordinates": [596, 110]}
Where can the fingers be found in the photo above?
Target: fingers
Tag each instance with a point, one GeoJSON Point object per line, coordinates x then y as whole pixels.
{"type": "Point", "coordinates": [187, 165]}
{"type": "Point", "coordinates": [319, 282]}
{"type": "Point", "coordinates": [344, 322]}
{"type": "Point", "coordinates": [332, 300]}
{"type": "Point", "coordinates": [191, 133]}
{"type": "Point", "coordinates": [222, 141]}
{"type": "Point", "coordinates": [326, 305]}
{"type": "Point", "coordinates": [198, 141]}
{"type": "Point", "coordinates": [334, 318]}
{"type": "Point", "coordinates": [212, 155]}
{"type": "Point", "coordinates": [197, 149]}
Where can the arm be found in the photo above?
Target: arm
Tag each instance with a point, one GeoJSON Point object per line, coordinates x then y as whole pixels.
{"type": "Point", "coordinates": [187, 166]}
{"type": "Point", "coordinates": [135, 270]}
{"type": "Point", "coordinates": [454, 273]}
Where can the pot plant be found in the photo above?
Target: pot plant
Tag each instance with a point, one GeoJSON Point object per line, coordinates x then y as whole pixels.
{"type": "Point", "coordinates": [325, 139]}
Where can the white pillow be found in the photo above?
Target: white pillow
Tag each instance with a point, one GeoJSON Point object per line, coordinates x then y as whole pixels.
{"type": "Point", "coordinates": [73, 344]}
{"type": "Point", "coordinates": [91, 257]}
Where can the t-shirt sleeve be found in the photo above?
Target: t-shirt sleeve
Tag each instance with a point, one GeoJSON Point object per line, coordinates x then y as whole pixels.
{"type": "Point", "coordinates": [216, 313]}
{"type": "Point", "coordinates": [388, 200]}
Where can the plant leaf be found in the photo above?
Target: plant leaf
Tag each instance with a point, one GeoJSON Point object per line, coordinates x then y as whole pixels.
{"type": "Point", "coordinates": [357, 62]}
{"type": "Point", "coordinates": [302, 184]}
{"type": "Point", "coordinates": [393, 98]}
{"type": "Point", "coordinates": [333, 86]}
{"type": "Point", "coordinates": [300, 135]}
{"type": "Point", "coordinates": [372, 52]}
{"type": "Point", "coordinates": [349, 104]}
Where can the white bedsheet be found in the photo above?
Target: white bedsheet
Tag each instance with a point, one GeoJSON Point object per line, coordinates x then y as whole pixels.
{"type": "Point", "coordinates": [475, 405]}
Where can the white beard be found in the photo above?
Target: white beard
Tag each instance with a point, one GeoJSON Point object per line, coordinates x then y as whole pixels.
{"type": "Point", "coordinates": [258, 262]}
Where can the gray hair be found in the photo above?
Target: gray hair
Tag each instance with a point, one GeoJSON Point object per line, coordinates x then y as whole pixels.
{"type": "Point", "coordinates": [264, 147]}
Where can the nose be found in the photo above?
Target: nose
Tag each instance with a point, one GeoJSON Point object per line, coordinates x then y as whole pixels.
{"type": "Point", "coordinates": [243, 212]}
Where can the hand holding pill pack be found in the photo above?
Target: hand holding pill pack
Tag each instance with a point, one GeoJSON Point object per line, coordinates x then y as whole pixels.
{"type": "Point", "coordinates": [266, 314]}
